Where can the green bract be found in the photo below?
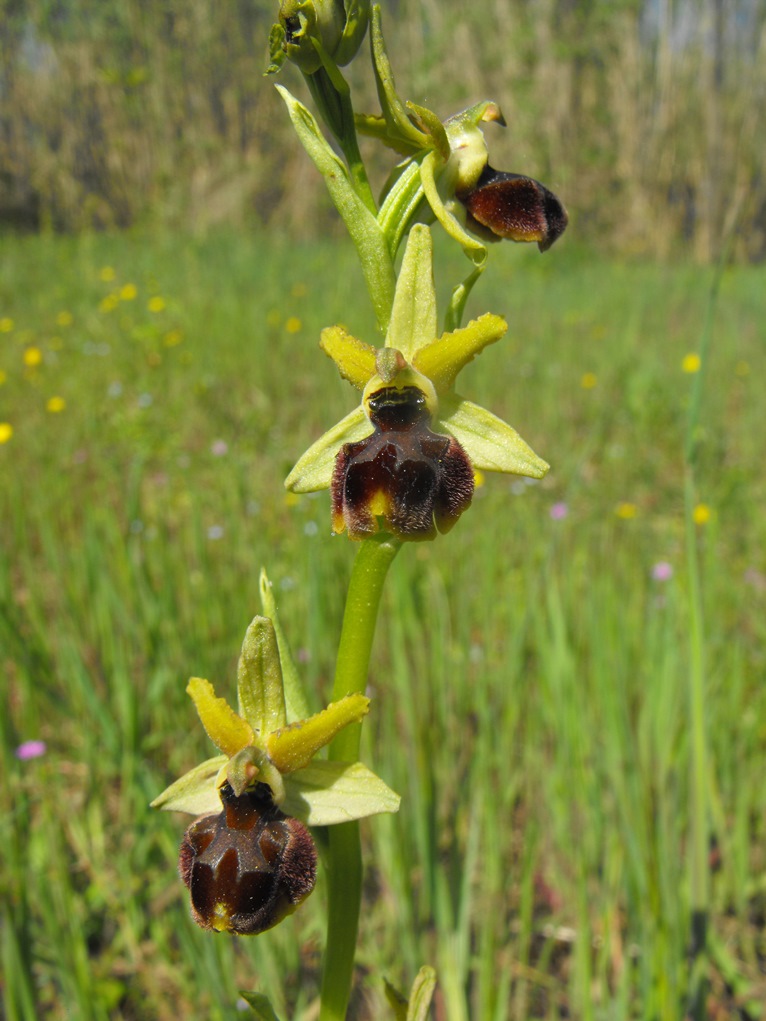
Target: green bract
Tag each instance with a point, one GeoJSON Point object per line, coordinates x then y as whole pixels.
{"type": "Point", "coordinates": [264, 742]}
{"type": "Point", "coordinates": [415, 356]}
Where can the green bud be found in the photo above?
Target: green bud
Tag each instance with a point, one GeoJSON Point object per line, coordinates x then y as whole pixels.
{"type": "Point", "coordinates": [314, 27]}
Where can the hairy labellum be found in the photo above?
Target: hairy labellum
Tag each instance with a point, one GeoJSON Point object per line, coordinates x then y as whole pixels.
{"type": "Point", "coordinates": [248, 867]}
{"type": "Point", "coordinates": [515, 207]}
{"type": "Point", "coordinates": [404, 478]}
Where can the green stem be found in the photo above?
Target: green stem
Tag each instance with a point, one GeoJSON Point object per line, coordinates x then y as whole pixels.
{"type": "Point", "coordinates": [333, 99]}
{"type": "Point", "coordinates": [344, 854]}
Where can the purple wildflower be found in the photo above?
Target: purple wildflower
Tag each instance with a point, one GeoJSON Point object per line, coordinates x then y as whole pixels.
{"type": "Point", "coordinates": [30, 750]}
{"type": "Point", "coordinates": [662, 571]}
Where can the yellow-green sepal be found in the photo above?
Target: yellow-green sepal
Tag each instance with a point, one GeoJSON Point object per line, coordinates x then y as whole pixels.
{"type": "Point", "coordinates": [442, 359]}
{"type": "Point", "coordinates": [296, 703]}
{"type": "Point", "coordinates": [259, 679]}
{"type": "Point", "coordinates": [473, 248]}
{"type": "Point", "coordinates": [328, 793]}
{"type": "Point", "coordinates": [399, 124]}
{"type": "Point", "coordinates": [413, 317]}
{"type": "Point", "coordinates": [491, 444]}
{"type": "Point", "coordinates": [313, 471]}
{"type": "Point", "coordinates": [194, 792]}
{"type": "Point", "coordinates": [293, 747]}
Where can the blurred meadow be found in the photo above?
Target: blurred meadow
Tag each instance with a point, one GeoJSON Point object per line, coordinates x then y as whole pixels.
{"type": "Point", "coordinates": [531, 675]}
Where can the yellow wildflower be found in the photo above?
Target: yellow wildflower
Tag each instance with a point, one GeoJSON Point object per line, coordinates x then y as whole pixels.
{"type": "Point", "coordinates": [6, 431]}
{"type": "Point", "coordinates": [32, 357]}
{"type": "Point", "coordinates": [701, 514]}
{"type": "Point", "coordinates": [626, 510]}
{"type": "Point", "coordinates": [156, 303]}
{"type": "Point", "coordinates": [6, 324]}
{"type": "Point", "coordinates": [128, 292]}
{"type": "Point", "coordinates": [588, 380]}
{"type": "Point", "coordinates": [691, 363]}
{"type": "Point", "coordinates": [55, 404]}
{"type": "Point", "coordinates": [64, 318]}
{"type": "Point", "coordinates": [293, 325]}
{"type": "Point", "coordinates": [106, 273]}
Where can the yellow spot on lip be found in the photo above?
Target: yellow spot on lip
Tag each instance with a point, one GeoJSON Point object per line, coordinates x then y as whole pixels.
{"type": "Point", "coordinates": [221, 917]}
{"type": "Point", "coordinates": [379, 505]}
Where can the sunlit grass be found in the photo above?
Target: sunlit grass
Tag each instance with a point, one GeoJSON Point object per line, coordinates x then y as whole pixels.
{"type": "Point", "coordinates": [529, 683]}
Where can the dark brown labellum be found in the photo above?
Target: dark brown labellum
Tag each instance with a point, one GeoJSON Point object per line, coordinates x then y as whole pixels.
{"type": "Point", "coordinates": [516, 207]}
{"type": "Point", "coordinates": [404, 478]}
{"type": "Point", "coordinates": [248, 867]}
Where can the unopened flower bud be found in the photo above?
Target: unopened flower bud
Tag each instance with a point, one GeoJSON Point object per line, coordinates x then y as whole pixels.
{"type": "Point", "coordinates": [404, 478]}
{"type": "Point", "coordinates": [337, 26]}
{"type": "Point", "coordinates": [248, 867]}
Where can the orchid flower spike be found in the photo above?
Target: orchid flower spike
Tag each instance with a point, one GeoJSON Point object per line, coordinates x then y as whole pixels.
{"type": "Point", "coordinates": [250, 859]}
{"type": "Point", "coordinates": [403, 461]}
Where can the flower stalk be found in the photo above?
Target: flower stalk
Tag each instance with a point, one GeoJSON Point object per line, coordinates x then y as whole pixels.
{"type": "Point", "coordinates": [344, 853]}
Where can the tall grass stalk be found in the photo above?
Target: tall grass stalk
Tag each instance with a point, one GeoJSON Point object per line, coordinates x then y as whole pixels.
{"type": "Point", "coordinates": [699, 843]}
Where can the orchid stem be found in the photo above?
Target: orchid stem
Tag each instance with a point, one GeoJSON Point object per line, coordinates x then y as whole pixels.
{"type": "Point", "coordinates": [344, 853]}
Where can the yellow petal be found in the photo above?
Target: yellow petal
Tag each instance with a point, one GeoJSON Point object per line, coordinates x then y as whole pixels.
{"type": "Point", "coordinates": [225, 729]}
{"type": "Point", "coordinates": [295, 746]}
{"type": "Point", "coordinates": [442, 359]}
{"type": "Point", "coordinates": [354, 358]}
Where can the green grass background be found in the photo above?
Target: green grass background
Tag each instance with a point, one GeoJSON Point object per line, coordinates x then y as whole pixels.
{"type": "Point", "coordinates": [530, 675]}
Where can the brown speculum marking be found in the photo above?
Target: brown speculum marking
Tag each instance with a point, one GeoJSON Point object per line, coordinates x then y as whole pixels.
{"type": "Point", "coordinates": [404, 478]}
{"type": "Point", "coordinates": [247, 867]}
